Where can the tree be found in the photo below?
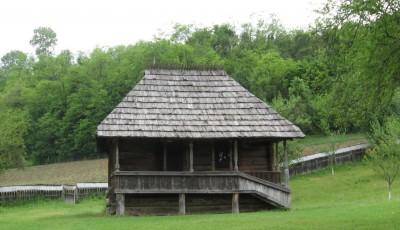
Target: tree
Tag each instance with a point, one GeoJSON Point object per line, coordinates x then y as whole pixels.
{"type": "Point", "coordinates": [384, 156]}
{"type": "Point", "coordinates": [44, 39]}
{"type": "Point", "coordinates": [13, 125]}
{"type": "Point", "coordinates": [14, 58]}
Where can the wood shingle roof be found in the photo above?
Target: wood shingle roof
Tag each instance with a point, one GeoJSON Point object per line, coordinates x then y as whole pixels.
{"type": "Point", "coordinates": [193, 104]}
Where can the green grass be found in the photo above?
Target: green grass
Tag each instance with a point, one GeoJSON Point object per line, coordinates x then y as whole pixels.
{"type": "Point", "coordinates": [318, 143]}
{"type": "Point", "coordinates": [352, 199]}
{"type": "Point", "coordinates": [58, 173]}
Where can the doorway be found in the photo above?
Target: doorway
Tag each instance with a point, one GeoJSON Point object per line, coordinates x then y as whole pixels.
{"type": "Point", "coordinates": [176, 156]}
{"type": "Point", "coordinates": [222, 156]}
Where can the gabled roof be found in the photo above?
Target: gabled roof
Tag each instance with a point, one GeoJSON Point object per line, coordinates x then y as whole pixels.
{"type": "Point", "coordinates": [193, 104]}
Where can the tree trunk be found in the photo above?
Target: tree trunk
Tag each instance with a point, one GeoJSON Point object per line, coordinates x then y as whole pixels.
{"type": "Point", "coordinates": [390, 191]}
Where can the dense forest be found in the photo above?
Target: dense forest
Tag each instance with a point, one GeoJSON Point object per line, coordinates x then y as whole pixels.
{"type": "Point", "coordinates": [340, 74]}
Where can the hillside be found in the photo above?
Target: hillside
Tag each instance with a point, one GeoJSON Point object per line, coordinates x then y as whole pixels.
{"type": "Point", "coordinates": [352, 199]}
{"type": "Point", "coordinates": [58, 173]}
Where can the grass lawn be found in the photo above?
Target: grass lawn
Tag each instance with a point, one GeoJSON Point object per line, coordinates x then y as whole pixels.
{"type": "Point", "coordinates": [352, 199]}
{"type": "Point", "coordinates": [317, 143]}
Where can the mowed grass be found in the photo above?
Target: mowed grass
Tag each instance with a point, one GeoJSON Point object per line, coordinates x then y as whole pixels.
{"type": "Point", "coordinates": [58, 173]}
{"type": "Point", "coordinates": [318, 143]}
{"type": "Point", "coordinates": [352, 199]}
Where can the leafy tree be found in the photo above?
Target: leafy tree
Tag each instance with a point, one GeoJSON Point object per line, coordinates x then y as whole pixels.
{"type": "Point", "coordinates": [13, 125]}
{"type": "Point", "coordinates": [44, 39]}
{"type": "Point", "coordinates": [384, 156]}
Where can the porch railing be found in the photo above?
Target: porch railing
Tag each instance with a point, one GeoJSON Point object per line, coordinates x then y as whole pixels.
{"type": "Point", "coordinates": [272, 176]}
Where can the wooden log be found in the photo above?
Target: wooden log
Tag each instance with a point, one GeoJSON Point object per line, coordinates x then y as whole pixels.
{"type": "Point", "coordinates": [116, 156]}
{"type": "Point", "coordinates": [182, 204]}
{"type": "Point", "coordinates": [230, 156]}
{"type": "Point", "coordinates": [285, 165]}
{"type": "Point", "coordinates": [235, 203]}
{"type": "Point", "coordinates": [213, 157]}
{"type": "Point", "coordinates": [165, 156]}
{"type": "Point", "coordinates": [235, 155]}
{"type": "Point", "coordinates": [120, 204]}
{"type": "Point", "coordinates": [191, 156]}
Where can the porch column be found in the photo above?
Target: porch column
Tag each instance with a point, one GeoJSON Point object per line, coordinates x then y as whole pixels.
{"type": "Point", "coordinates": [235, 155]}
{"type": "Point", "coordinates": [213, 156]}
{"type": "Point", "coordinates": [235, 203]}
{"type": "Point", "coordinates": [120, 204]}
{"type": "Point", "coordinates": [116, 155]}
{"type": "Point", "coordinates": [164, 156]}
{"type": "Point", "coordinates": [182, 204]}
{"type": "Point", "coordinates": [285, 165]}
{"type": "Point", "coordinates": [230, 156]}
{"type": "Point", "coordinates": [191, 156]}
{"type": "Point", "coordinates": [276, 160]}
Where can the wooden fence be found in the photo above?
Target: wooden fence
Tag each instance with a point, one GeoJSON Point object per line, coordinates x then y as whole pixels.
{"type": "Point", "coordinates": [321, 160]}
{"type": "Point", "coordinates": [69, 193]}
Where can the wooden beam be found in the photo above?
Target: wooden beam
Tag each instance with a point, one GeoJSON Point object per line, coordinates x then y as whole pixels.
{"type": "Point", "coordinates": [285, 165]}
{"type": "Point", "coordinates": [235, 203]}
{"type": "Point", "coordinates": [116, 155]}
{"type": "Point", "coordinates": [276, 160]}
{"type": "Point", "coordinates": [213, 156]}
{"type": "Point", "coordinates": [164, 156]}
{"type": "Point", "coordinates": [120, 198]}
{"type": "Point", "coordinates": [230, 156]}
{"type": "Point", "coordinates": [182, 204]}
{"type": "Point", "coordinates": [235, 155]}
{"type": "Point", "coordinates": [191, 156]}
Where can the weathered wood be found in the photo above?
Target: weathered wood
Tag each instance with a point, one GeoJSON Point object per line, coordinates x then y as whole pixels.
{"type": "Point", "coordinates": [164, 156]}
{"type": "Point", "coordinates": [117, 155]}
{"type": "Point", "coordinates": [191, 104]}
{"type": "Point", "coordinates": [213, 156]}
{"type": "Point", "coordinates": [235, 155]}
{"type": "Point", "coordinates": [230, 156]}
{"type": "Point", "coordinates": [191, 169]}
{"type": "Point", "coordinates": [285, 165]}
{"type": "Point", "coordinates": [199, 182]}
{"type": "Point", "coordinates": [120, 198]}
{"type": "Point", "coordinates": [272, 176]}
{"type": "Point", "coordinates": [235, 203]}
{"type": "Point", "coordinates": [276, 155]}
{"type": "Point", "coordinates": [182, 204]}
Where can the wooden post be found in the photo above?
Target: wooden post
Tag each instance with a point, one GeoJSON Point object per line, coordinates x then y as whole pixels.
{"type": "Point", "coordinates": [76, 198]}
{"type": "Point", "coordinates": [120, 204]}
{"type": "Point", "coordinates": [230, 156]}
{"type": "Point", "coordinates": [116, 156]}
{"type": "Point", "coordinates": [285, 165]}
{"type": "Point", "coordinates": [191, 156]}
{"type": "Point", "coordinates": [276, 160]}
{"type": "Point", "coordinates": [165, 156]}
{"type": "Point", "coordinates": [235, 155]}
{"type": "Point", "coordinates": [235, 203]}
{"type": "Point", "coordinates": [182, 204]}
{"type": "Point", "coordinates": [213, 156]}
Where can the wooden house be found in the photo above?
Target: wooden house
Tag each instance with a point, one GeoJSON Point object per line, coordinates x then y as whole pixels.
{"type": "Point", "coordinates": [189, 141]}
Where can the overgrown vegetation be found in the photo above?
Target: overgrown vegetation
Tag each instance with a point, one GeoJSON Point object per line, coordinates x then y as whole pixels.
{"type": "Point", "coordinates": [353, 199]}
{"type": "Point", "coordinates": [340, 73]}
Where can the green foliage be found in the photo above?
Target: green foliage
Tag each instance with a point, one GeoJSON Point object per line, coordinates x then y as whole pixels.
{"type": "Point", "coordinates": [384, 156]}
{"type": "Point", "coordinates": [13, 125]}
{"type": "Point", "coordinates": [44, 39]}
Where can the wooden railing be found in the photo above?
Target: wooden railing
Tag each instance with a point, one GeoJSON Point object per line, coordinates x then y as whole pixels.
{"type": "Point", "coordinates": [129, 182]}
{"type": "Point", "coordinates": [271, 176]}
